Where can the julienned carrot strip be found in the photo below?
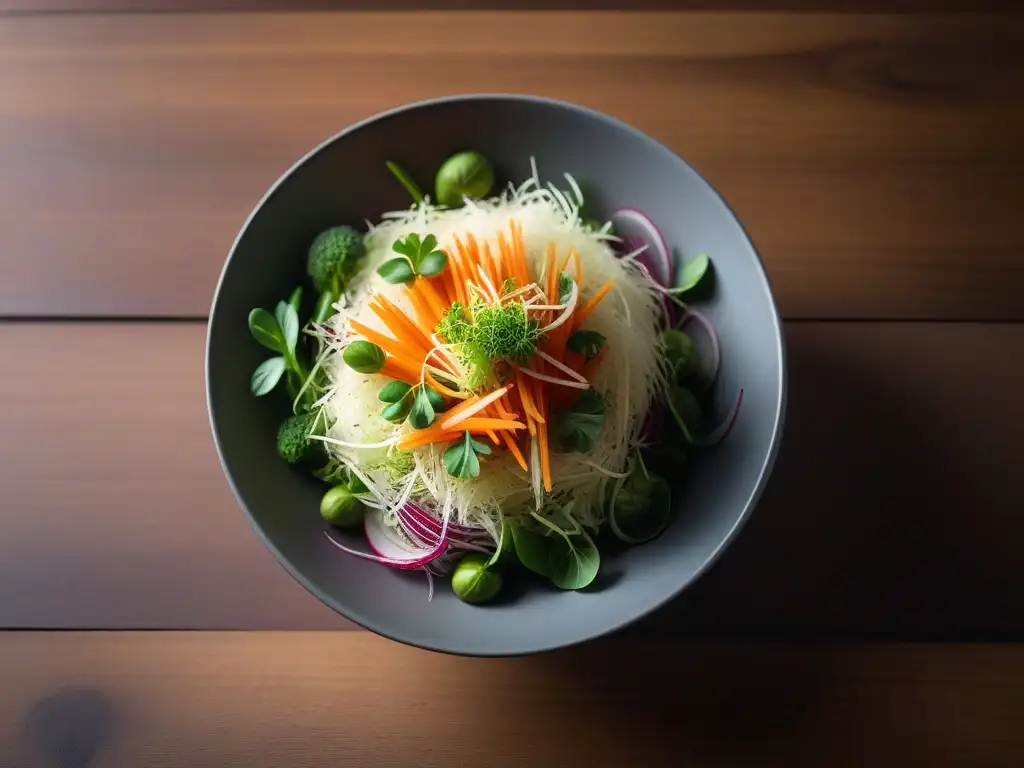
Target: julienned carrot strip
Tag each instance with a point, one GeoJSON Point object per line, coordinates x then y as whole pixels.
{"type": "Point", "coordinates": [423, 312]}
{"type": "Point", "coordinates": [524, 393]}
{"type": "Point", "coordinates": [469, 409]}
{"type": "Point", "coordinates": [581, 314]}
{"type": "Point", "coordinates": [497, 266]}
{"type": "Point", "coordinates": [457, 265]}
{"type": "Point", "coordinates": [513, 448]}
{"type": "Point", "coordinates": [545, 457]}
{"type": "Point", "coordinates": [446, 391]}
{"type": "Point", "coordinates": [435, 302]}
{"type": "Point", "coordinates": [494, 436]}
{"type": "Point", "coordinates": [436, 434]}
{"type": "Point", "coordinates": [579, 266]}
{"type": "Point", "coordinates": [394, 348]}
{"type": "Point", "coordinates": [409, 334]}
{"type": "Point", "coordinates": [519, 253]}
{"type": "Point", "coordinates": [565, 261]}
{"type": "Point", "coordinates": [394, 370]}
{"type": "Point", "coordinates": [549, 272]}
{"type": "Point", "coordinates": [483, 424]}
{"type": "Point", "coordinates": [426, 437]}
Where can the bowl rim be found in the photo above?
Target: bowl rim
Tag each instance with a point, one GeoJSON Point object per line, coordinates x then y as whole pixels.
{"type": "Point", "coordinates": [767, 465]}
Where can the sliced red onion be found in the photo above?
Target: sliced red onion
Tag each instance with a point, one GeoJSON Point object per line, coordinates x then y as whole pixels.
{"type": "Point", "coordinates": [716, 353]}
{"type": "Point", "coordinates": [389, 549]}
{"type": "Point", "coordinates": [429, 522]}
{"type": "Point", "coordinates": [634, 226]}
{"type": "Point", "coordinates": [722, 431]}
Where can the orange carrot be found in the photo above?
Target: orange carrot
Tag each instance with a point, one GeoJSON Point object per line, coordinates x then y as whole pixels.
{"type": "Point", "coordinates": [394, 370]}
{"type": "Point", "coordinates": [423, 313]}
{"type": "Point", "coordinates": [528, 404]}
{"type": "Point", "coordinates": [581, 314]}
{"type": "Point", "coordinates": [436, 434]}
{"type": "Point", "coordinates": [452, 417]}
{"type": "Point", "coordinates": [552, 278]}
{"type": "Point", "coordinates": [446, 391]}
{"type": "Point", "coordinates": [579, 266]}
{"type": "Point", "coordinates": [394, 348]}
{"type": "Point", "coordinates": [435, 302]}
{"type": "Point", "coordinates": [402, 328]}
{"type": "Point", "coordinates": [514, 449]}
{"type": "Point", "coordinates": [519, 253]}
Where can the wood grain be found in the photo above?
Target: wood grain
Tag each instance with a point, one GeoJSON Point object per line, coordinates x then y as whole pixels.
{"type": "Point", "coordinates": [894, 510]}
{"type": "Point", "coordinates": [164, 6]}
{"type": "Point", "coordinates": [324, 699]}
{"type": "Point", "coordinates": [875, 159]}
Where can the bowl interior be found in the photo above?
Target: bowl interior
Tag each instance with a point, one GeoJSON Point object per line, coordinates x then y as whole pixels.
{"type": "Point", "coordinates": [345, 181]}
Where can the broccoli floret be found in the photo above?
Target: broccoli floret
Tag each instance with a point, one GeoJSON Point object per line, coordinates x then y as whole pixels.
{"type": "Point", "coordinates": [293, 443]}
{"type": "Point", "coordinates": [334, 257]}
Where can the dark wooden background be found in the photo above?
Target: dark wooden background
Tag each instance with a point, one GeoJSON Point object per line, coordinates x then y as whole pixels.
{"type": "Point", "coordinates": [876, 158]}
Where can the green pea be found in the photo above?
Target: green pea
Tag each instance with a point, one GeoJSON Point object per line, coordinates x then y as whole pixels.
{"type": "Point", "coordinates": [364, 356]}
{"type": "Point", "coordinates": [467, 174]}
{"type": "Point", "coordinates": [340, 507]}
{"type": "Point", "coordinates": [472, 582]}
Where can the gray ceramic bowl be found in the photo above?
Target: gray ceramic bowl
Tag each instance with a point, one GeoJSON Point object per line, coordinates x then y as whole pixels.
{"type": "Point", "coordinates": [344, 181]}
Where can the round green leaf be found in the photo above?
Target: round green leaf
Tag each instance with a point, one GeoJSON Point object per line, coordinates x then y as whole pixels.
{"type": "Point", "coordinates": [422, 414]}
{"type": "Point", "coordinates": [364, 356]}
{"type": "Point", "coordinates": [433, 263]}
{"type": "Point", "coordinates": [532, 549]}
{"type": "Point", "coordinates": [288, 320]}
{"type": "Point", "coordinates": [397, 412]}
{"type": "Point", "coordinates": [472, 582]}
{"type": "Point", "coordinates": [393, 391]}
{"type": "Point", "coordinates": [435, 398]}
{"type": "Point", "coordinates": [396, 271]}
{"type": "Point", "coordinates": [266, 331]}
{"type": "Point", "coordinates": [693, 272]}
{"type": "Point", "coordinates": [573, 561]}
{"type": "Point", "coordinates": [266, 375]}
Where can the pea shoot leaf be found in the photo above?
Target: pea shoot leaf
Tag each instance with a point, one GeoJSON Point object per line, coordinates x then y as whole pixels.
{"type": "Point", "coordinates": [266, 375]}
{"type": "Point", "coordinates": [579, 426]}
{"type": "Point", "coordinates": [266, 331]}
{"type": "Point", "coordinates": [461, 458]}
{"type": "Point", "coordinates": [422, 414]}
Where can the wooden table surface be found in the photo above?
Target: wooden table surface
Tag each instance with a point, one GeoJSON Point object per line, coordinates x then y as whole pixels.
{"type": "Point", "coordinates": [877, 159]}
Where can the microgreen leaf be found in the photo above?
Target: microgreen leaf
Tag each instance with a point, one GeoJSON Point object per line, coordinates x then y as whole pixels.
{"type": "Point", "coordinates": [532, 549]}
{"type": "Point", "coordinates": [579, 426]}
{"type": "Point", "coordinates": [564, 287]}
{"type": "Point", "coordinates": [586, 343]}
{"type": "Point", "coordinates": [364, 356]}
{"type": "Point", "coordinates": [508, 286]}
{"type": "Point", "coordinates": [692, 272]}
{"type": "Point", "coordinates": [393, 391]}
{"type": "Point", "coordinates": [295, 300]}
{"type": "Point", "coordinates": [266, 331]}
{"type": "Point", "coordinates": [396, 271]}
{"type": "Point", "coordinates": [422, 414]}
{"type": "Point", "coordinates": [433, 263]}
{"type": "Point", "coordinates": [324, 307]}
{"type": "Point", "coordinates": [288, 320]}
{"type": "Point", "coordinates": [398, 411]}
{"type": "Point", "coordinates": [429, 243]}
{"type": "Point", "coordinates": [686, 412]}
{"type": "Point", "coordinates": [573, 561]}
{"type": "Point", "coordinates": [266, 375]}
{"type": "Point", "coordinates": [461, 458]}
{"type": "Point", "coordinates": [435, 398]}
{"type": "Point", "coordinates": [406, 181]}
{"type": "Point", "coordinates": [482, 448]}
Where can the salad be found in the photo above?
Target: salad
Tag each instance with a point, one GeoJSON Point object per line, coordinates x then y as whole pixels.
{"type": "Point", "coordinates": [491, 380]}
